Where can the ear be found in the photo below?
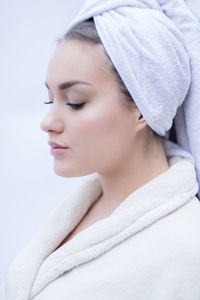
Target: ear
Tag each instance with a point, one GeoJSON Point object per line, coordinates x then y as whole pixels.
{"type": "Point", "coordinates": [140, 121]}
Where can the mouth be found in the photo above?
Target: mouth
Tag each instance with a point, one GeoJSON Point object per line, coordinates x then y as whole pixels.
{"type": "Point", "coordinates": [55, 145]}
{"type": "Point", "coordinates": [59, 147]}
{"type": "Point", "coordinates": [56, 151]}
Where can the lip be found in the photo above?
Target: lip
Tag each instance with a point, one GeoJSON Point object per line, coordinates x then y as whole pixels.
{"type": "Point", "coordinates": [56, 145]}
{"type": "Point", "coordinates": [58, 151]}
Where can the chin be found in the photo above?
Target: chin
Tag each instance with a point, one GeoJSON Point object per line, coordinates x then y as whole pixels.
{"type": "Point", "coordinates": [68, 173]}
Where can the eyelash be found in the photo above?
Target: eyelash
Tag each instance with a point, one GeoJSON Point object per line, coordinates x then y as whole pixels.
{"type": "Point", "coordinates": [73, 105]}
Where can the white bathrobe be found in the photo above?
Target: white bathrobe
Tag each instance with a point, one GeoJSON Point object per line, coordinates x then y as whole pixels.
{"type": "Point", "coordinates": [147, 249]}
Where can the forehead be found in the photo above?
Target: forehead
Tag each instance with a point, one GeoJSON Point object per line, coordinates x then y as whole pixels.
{"type": "Point", "coordinates": [77, 60]}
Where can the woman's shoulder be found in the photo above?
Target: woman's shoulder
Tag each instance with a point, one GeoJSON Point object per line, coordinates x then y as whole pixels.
{"type": "Point", "coordinates": [183, 224]}
{"type": "Point", "coordinates": [178, 249]}
{"type": "Point", "coordinates": [186, 221]}
{"type": "Point", "coordinates": [178, 234]}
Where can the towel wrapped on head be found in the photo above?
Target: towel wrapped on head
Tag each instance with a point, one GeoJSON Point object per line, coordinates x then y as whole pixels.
{"type": "Point", "coordinates": [155, 47]}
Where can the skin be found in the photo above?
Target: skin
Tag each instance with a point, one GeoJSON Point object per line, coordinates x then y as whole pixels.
{"type": "Point", "coordinates": [103, 136]}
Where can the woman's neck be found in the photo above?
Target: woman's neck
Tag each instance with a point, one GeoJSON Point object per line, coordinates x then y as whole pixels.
{"type": "Point", "coordinates": [133, 174]}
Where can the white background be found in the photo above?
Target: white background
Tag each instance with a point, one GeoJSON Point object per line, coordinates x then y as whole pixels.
{"type": "Point", "coordinates": [29, 189]}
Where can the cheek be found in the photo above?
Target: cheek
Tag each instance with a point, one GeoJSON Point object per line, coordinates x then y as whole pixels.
{"type": "Point", "coordinates": [98, 130]}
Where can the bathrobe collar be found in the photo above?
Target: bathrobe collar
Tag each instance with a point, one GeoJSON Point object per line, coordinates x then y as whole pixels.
{"type": "Point", "coordinates": [38, 264]}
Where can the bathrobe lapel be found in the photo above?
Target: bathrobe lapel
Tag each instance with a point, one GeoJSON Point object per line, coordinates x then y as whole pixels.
{"type": "Point", "coordinates": [38, 265]}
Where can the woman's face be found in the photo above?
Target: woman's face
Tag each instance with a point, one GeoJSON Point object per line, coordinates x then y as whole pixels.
{"type": "Point", "coordinates": [101, 133]}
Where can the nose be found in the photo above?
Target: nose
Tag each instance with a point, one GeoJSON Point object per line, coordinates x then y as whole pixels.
{"type": "Point", "coordinates": [51, 123]}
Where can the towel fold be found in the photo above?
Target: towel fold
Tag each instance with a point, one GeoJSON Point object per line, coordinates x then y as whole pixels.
{"type": "Point", "coordinates": [38, 265]}
{"type": "Point", "coordinates": [155, 45]}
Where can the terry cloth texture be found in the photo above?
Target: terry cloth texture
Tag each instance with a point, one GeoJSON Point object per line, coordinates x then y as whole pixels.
{"type": "Point", "coordinates": [155, 45]}
{"type": "Point", "coordinates": [147, 248]}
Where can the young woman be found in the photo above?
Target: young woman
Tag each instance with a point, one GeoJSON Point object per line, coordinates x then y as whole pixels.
{"type": "Point", "coordinates": [130, 229]}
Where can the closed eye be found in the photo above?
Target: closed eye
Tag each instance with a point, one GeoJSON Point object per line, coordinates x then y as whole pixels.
{"type": "Point", "coordinates": [74, 106]}
{"type": "Point", "coordinates": [49, 102]}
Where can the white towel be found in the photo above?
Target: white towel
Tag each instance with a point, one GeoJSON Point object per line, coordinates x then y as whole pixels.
{"type": "Point", "coordinates": [155, 47]}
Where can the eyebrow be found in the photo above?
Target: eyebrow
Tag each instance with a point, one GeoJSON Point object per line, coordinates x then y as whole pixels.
{"type": "Point", "coordinates": [67, 85]}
